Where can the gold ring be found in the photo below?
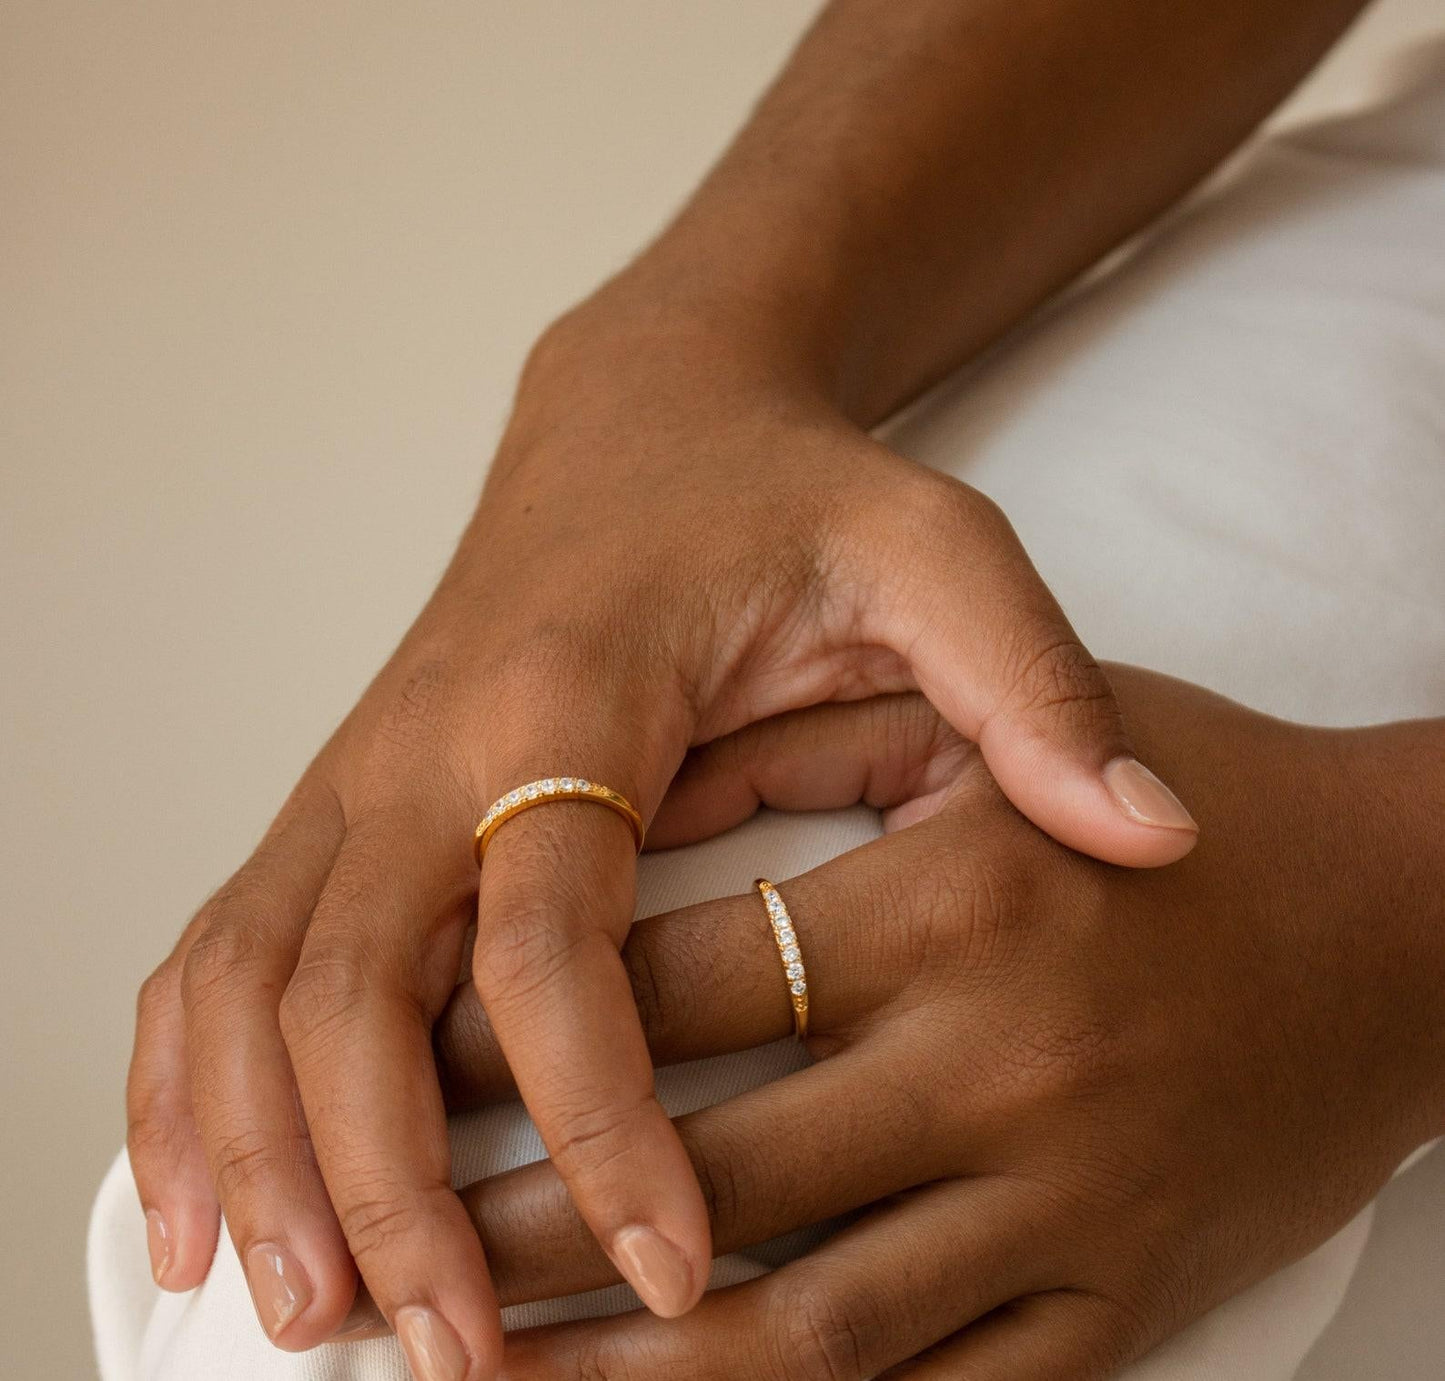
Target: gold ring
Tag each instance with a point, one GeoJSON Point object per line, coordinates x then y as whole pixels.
{"type": "Point", "coordinates": [786, 939]}
{"type": "Point", "coordinates": [553, 789]}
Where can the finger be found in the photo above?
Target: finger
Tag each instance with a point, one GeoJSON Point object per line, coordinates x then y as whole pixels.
{"type": "Point", "coordinates": [557, 897]}
{"type": "Point", "coordinates": [707, 979]}
{"type": "Point", "coordinates": [910, 1273]}
{"type": "Point", "coordinates": [470, 1065]}
{"type": "Point", "coordinates": [1065, 1333]}
{"type": "Point", "coordinates": [792, 1153]}
{"type": "Point", "coordinates": [166, 1156]}
{"type": "Point", "coordinates": [958, 597]}
{"type": "Point", "coordinates": [889, 751]}
{"type": "Point", "coordinates": [380, 957]}
{"type": "Point", "coordinates": [257, 1145]}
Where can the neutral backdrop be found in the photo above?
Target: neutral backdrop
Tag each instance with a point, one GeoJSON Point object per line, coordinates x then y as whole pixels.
{"type": "Point", "coordinates": [267, 272]}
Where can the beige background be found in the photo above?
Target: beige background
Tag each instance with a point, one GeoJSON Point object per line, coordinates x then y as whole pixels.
{"type": "Point", "coordinates": [266, 273]}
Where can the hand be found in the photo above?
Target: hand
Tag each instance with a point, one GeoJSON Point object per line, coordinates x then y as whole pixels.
{"type": "Point", "coordinates": [668, 547]}
{"type": "Point", "coordinates": [1076, 1106]}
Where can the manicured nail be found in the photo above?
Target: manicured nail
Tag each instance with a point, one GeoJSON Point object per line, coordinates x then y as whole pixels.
{"type": "Point", "coordinates": [364, 1320]}
{"type": "Point", "coordinates": [280, 1287]}
{"type": "Point", "coordinates": [656, 1269]}
{"type": "Point", "coordinates": [433, 1350]}
{"type": "Point", "coordinates": [158, 1243]}
{"type": "Point", "coordinates": [1144, 797]}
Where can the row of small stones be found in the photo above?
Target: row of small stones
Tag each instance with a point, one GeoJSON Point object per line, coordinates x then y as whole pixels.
{"type": "Point", "coordinates": [551, 786]}
{"type": "Point", "coordinates": [787, 939]}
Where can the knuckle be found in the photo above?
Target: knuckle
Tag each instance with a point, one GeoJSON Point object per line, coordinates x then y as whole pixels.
{"type": "Point", "coordinates": [953, 518]}
{"type": "Point", "coordinates": [328, 986]}
{"type": "Point", "coordinates": [382, 1214]}
{"type": "Point", "coordinates": [522, 955]}
{"type": "Point", "coordinates": [241, 1160]}
{"type": "Point", "coordinates": [424, 693]}
{"type": "Point", "coordinates": [960, 913]}
{"type": "Point", "coordinates": [1062, 1060]}
{"type": "Point", "coordinates": [1057, 672]}
{"type": "Point", "coordinates": [150, 1135]}
{"type": "Point", "coordinates": [994, 894]}
{"type": "Point", "coordinates": [423, 721]}
{"type": "Point", "coordinates": [157, 996]}
{"type": "Point", "coordinates": [541, 649]}
{"type": "Point", "coordinates": [601, 1358]}
{"type": "Point", "coordinates": [1064, 1067]}
{"type": "Point", "coordinates": [224, 953]}
{"type": "Point", "coordinates": [827, 1335]}
{"type": "Point", "coordinates": [1119, 1329]}
{"type": "Point", "coordinates": [981, 514]}
{"type": "Point", "coordinates": [593, 1136]}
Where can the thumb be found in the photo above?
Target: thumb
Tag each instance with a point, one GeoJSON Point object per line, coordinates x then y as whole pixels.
{"type": "Point", "coordinates": [989, 645]}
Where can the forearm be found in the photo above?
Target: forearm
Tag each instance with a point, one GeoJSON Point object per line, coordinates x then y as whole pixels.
{"type": "Point", "coordinates": [922, 175]}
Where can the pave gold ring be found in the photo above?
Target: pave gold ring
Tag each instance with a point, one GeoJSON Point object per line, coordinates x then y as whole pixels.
{"type": "Point", "coordinates": [786, 939]}
{"type": "Point", "coordinates": [539, 793]}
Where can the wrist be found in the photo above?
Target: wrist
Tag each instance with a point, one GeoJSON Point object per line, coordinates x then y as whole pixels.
{"type": "Point", "coordinates": [692, 321]}
{"type": "Point", "coordinates": [1391, 839]}
{"type": "Point", "coordinates": [646, 320]}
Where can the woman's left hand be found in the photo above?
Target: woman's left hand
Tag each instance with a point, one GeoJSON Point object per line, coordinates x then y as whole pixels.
{"type": "Point", "coordinates": [1077, 1105]}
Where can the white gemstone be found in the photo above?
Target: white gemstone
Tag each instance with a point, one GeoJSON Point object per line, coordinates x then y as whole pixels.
{"type": "Point", "coordinates": [786, 935]}
{"type": "Point", "coordinates": [513, 797]}
{"type": "Point", "coordinates": [530, 790]}
{"type": "Point", "coordinates": [583, 784]}
{"type": "Point", "coordinates": [550, 784]}
{"type": "Point", "coordinates": [791, 955]}
{"type": "Point", "coordinates": [568, 783]}
{"type": "Point", "coordinates": [799, 988]}
{"type": "Point", "coordinates": [795, 970]}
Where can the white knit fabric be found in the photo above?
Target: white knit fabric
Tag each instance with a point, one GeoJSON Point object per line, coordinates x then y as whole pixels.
{"type": "Point", "coordinates": [1227, 457]}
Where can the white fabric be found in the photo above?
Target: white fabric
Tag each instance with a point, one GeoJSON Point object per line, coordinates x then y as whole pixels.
{"type": "Point", "coordinates": [1228, 458]}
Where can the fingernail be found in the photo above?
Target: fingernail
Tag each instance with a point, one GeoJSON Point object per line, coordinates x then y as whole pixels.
{"type": "Point", "coordinates": [656, 1269]}
{"type": "Point", "coordinates": [1144, 797]}
{"type": "Point", "coordinates": [280, 1287]}
{"type": "Point", "coordinates": [158, 1243]}
{"type": "Point", "coordinates": [364, 1320]}
{"type": "Point", "coordinates": [433, 1350]}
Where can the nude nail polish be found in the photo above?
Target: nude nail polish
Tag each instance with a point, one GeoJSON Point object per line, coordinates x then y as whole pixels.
{"type": "Point", "coordinates": [433, 1350]}
{"type": "Point", "coordinates": [364, 1320]}
{"type": "Point", "coordinates": [655, 1268]}
{"type": "Point", "coordinates": [1143, 797]}
{"type": "Point", "coordinates": [158, 1244]}
{"type": "Point", "coordinates": [280, 1287]}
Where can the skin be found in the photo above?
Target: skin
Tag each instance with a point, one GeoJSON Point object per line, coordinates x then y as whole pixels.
{"type": "Point", "coordinates": [1067, 1107]}
{"type": "Point", "coordinates": [686, 529]}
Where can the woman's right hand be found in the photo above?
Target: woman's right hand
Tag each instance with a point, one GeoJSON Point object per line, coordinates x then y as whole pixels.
{"type": "Point", "coordinates": [671, 544]}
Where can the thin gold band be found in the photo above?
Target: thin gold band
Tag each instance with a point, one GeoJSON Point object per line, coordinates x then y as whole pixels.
{"type": "Point", "coordinates": [539, 793]}
{"type": "Point", "coordinates": [786, 939]}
